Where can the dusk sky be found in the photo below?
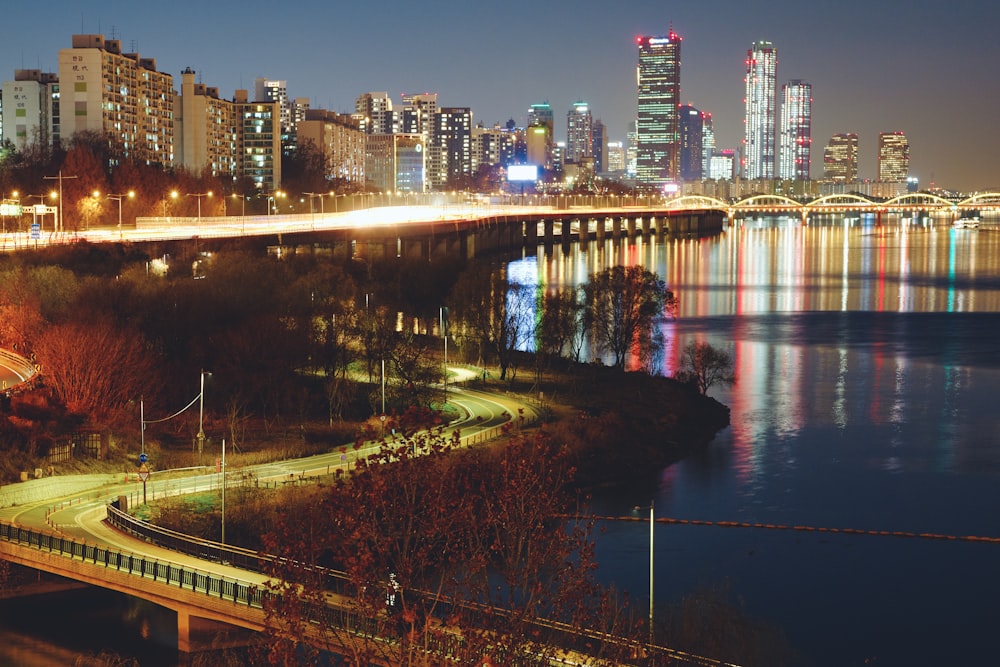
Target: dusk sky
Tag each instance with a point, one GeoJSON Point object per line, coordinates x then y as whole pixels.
{"type": "Point", "coordinates": [929, 69]}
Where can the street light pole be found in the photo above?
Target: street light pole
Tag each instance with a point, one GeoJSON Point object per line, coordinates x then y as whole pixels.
{"type": "Point", "coordinates": [201, 416]}
{"type": "Point", "coordinates": [199, 196]}
{"type": "Point", "coordinates": [61, 202]}
{"type": "Point", "coordinates": [118, 198]}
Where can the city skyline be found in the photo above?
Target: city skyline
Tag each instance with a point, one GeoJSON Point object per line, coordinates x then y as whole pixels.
{"type": "Point", "coordinates": [871, 69]}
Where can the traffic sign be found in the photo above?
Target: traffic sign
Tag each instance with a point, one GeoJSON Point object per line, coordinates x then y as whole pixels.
{"type": "Point", "coordinates": [36, 231]}
{"type": "Point", "coordinates": [144, 473]}
{"type": "Point", "coordinates": [143, 457]}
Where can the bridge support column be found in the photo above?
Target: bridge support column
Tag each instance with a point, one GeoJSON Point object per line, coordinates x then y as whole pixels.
{"type": "Point", "coordinates": [548, 227]}
{"type": "Point", "coordinates": [630, 226]}
{"type": "Point", "coordinates": [646, 226]}
{"type": "Point", "coordinates": [616, 228]}
{"type": "Point", "coordinates": [601, 230]}
{"type": "Point", "coordinates": [584, 233]}
{"type": "Point", "coordinates": [567, 231]}
{"type": "Point", "coordinates": [662, 225]}
{"type": "Point", "coordinates": [183, 631]}
{"type": "Point", "coordinates": [530, 233]}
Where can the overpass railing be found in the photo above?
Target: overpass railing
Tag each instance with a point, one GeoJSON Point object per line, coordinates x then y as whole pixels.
{"type": "Point", "coordinates": [22, 367]}
{"type": "Point", "coordinates": [239, 592]}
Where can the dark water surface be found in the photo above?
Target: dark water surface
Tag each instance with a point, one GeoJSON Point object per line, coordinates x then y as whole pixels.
{"type": "Point", "coordinates": [868, 397]}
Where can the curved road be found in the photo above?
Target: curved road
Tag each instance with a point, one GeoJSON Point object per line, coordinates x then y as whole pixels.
{"type": "Point", "coordinates": [81, 515]}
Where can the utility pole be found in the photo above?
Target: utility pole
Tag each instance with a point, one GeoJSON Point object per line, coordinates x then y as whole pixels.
{"type": "Point", "coordinates": [62, 204]}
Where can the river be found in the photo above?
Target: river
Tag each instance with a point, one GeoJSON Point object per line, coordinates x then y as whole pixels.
{"type": "Point", "coordinates": [868, 374]}
{"type": "Point", "coordinates": [868, 371]}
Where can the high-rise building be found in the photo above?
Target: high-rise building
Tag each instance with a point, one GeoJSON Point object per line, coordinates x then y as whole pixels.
{"type": "Point", "coordinates": [722, 166]}
{"type": "Point", "coordinates": [258, 149]}
{"type": "Point", "coordinates": [540, 135]}
{"type": "Point", "coordinates": [273, 90]}
{"type": "Point", "coordinates": [395, 162]}
{"type": "Point", "coordinates": [692, 131]}
{"type": "Point", "coordinates": [599, 146]}
{"type": "Point", "coordinates": [759, 122]}
{"type": "Point", "coordinates": [893, 157]}
{"type": "Point", "coordinates": [579, 132]}
{"type": "Point", "coordinates": [417, 117]}
{"type": "Point", "coordinates": [492, 146]}
{"type": "Point", "coordinates": [616, 157]}
{"type": "Point", "coordinates": [657, 123]}
{"type": "Point", "coordinates": [206, 129]}
{"type": "Point", "coordinates": [840, 158]}
{"type": "Point", "coordinates": [452, 137]}
{"type": "Point", "coordinates": [631, 150]}
{"type": "Point", "coordinates": [796, 131]}
{"type": "Point", "coordinates": [707, 142]}
{"type": "Point", "coordinates": [117, 94]}
{"type": "Point", "coordinates": [31, 109]}
{"type": "Point", "coordinates": [339, 140]}
{"type": "Point", "coordinates": [374, 113]}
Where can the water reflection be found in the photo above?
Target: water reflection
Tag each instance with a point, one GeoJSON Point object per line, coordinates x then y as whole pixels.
{"type": "Point", "coordinates": [867, 370]}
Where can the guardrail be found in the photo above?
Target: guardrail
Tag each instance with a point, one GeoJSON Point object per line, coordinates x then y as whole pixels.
{"type": "Point", "coordinates": [239, 592]}
{"type": "Point", "coordinates": [24, 368]}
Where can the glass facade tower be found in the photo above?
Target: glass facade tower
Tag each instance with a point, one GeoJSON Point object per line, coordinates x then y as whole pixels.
{"type": "Point", "coordinates": [758, 143]}
{"type": "Point", "coordinates": [657, 121]}
{"type": "Point", "coordinates": [796, 130]}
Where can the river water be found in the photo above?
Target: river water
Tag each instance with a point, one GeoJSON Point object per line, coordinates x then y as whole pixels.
{"type": "Point", "coordinates": [868, 375]}
{"type": "Point", "coordinates": [868, 369]}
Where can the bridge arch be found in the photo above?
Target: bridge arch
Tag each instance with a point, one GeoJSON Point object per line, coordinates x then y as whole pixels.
{"type": "Point", "coordinates": [918, 199]}
{"type": "Point", "coordinates": [840, 200]}
{"type": "Point", "coordinates": [697, 202]}
{"type": "Point", "coordinates": [981, 199]}
{"type": "Point", "coordinates": [757, 201]}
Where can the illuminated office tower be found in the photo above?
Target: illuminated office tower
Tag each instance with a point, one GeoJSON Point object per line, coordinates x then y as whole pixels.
{"type": "Point", "coordinates": [692, 132]}
{"type": "Point", "coordinates": [579, 132]}
{"type": "Point", "coordinates": [840, 158]}
{"type": "Point", "coordinates": [616, 157]}
{"type": "Point", "coordinates": [452, 144]}
{"type": "Point", "coordinates": [599, 146]}
{"type": "Point", "coordinates": [707, 142]}
{"type": "Point", "coordinates": [118, 95]}
{"type": "Point", "coordinates": [539, 135]}
{"type": "Point", "coordinates": [796, 131]}
{"type": "Point", "coordinates": [657, 123]}
{"type": "Point", "coordinates": [759, 122]}
{"type": "Point", "coordinates": [893, 157]}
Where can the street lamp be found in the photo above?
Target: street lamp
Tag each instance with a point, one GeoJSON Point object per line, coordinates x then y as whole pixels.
{"type": "Point", "coordinates": [199, 196]}
{"type": "Point", "coordinates": [201, 415]}
{"type": "Point", "coordinates": [652, 522]}
{"type": "Point", "coordinates": [243, 211]}
{"type": "Point", "coordinates": [118, 198]}
{"type": "Point", "coordinates": [274, 199]}
{"type": "Point", "coordinates": [173, 195]}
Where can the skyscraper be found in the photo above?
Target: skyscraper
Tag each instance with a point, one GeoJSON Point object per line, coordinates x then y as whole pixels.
{"type": "Point", "coordinates": [599, 146]}
{"type": "Point", "coordinates": [796, 130]}
{"type": "Point", "coordinates": [840, 158]}
{"type": "Point", "coordinates": [893, 157]}
{"type": "Point", "coordinates": [707, 143]}
{"type": "Point", "coordinates": [540, 137]}
{"type": "Point", "coordinates": [579, 132]}
{"type": "Point", "coordinates": [271, 90]}
{"type": "Point", "coordinates": [759, 122]}
{"type": "Point", "coordinates": [692, 131]}
{"type": "Point", "coordinates": [657, 123]}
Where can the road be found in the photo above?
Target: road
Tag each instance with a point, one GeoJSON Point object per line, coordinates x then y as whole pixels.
{"type": "Point", "coordinates": [80, 514]}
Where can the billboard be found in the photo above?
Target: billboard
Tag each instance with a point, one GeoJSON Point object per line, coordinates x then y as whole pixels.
{"type": "Point", "coordinates": [522, 173]}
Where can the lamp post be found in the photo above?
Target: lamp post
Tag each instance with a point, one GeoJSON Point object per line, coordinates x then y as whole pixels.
{"type": "Point", "coordinates": [118, 198]}
{"type": "Point", "coordinates": [199, 196]}
{"type": "Point", "coordinates": [201, 415]}
{"type": "Point", "coordinates": [243, 211]}
{"type": "Point", "coordinates": [60, 177]}
{"type": "Point", "coordinates": [652, 523]}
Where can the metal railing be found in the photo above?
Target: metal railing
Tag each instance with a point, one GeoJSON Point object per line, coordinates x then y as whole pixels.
{"type": "Point", "coordinates": [242, 593]}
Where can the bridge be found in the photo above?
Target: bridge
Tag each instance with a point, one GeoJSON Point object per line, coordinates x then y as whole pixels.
{"type": "Point", "coordinates": [916, 202]}
{"type": "Point", "coordinates": [465, 228]}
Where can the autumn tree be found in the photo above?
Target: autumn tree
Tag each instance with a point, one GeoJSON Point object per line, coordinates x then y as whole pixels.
{"type": "Point", "coordinates": [706, 366]}
{"type": "Point", "coordinates": [98, 369]}
{"type": "Point", "coordinates": [439, 545]}
{"type": "Point", "coordinates": [622, 305]}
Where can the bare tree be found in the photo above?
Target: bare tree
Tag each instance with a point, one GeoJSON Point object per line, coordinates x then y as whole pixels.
{"type": "Point", "coordinates": [622, 306]}
{"type": "Point", "coordinates": [706, 366]}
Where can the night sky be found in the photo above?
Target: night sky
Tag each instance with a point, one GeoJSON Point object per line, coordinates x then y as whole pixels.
{"type": "Point", "coordinates": [930, 69]}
